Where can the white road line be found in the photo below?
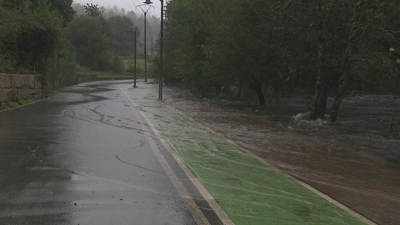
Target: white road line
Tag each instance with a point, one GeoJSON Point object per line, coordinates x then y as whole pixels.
{"type": "Point", "coordinates": [186, 197]}
{"type": "Point", "coordinates": [312, 189]}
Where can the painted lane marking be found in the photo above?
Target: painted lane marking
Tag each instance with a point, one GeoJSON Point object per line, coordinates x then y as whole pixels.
{"type": "Point", "coordinates": [312, 189]}
{"type": "Point", "coordinates": [186, 197]}
{"type": "Point", "coordinates": [184, 194]}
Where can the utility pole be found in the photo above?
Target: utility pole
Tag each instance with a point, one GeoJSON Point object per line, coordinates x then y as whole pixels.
{"type": "Point", "coordinates": [134, 57]}
{"type": "Point", "coordinates": [134, 67]}
{"type": "Point", "coordinates": [160, 96]}
{"type": "Point", "coordinates": [146, 6]}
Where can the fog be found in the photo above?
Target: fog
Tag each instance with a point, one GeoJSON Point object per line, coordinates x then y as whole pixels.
{"type": "Point", "coordinates": [128, 5]}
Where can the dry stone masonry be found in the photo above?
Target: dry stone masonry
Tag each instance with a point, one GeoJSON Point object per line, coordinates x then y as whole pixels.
{"type": "Point", "coordinates": [13, 87]}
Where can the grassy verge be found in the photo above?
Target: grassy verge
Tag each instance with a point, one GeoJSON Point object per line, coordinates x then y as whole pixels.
{"type": "Point", "coordinates": [17, 103]}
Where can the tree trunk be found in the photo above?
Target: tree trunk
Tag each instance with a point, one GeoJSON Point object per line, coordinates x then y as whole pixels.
{"type": "Point", "coordinates": [320, 81]}
{"type": "Point", "coordinates": [339, 96]}
{"type": "Point", "coordinates": [239, 94]}
{"type": "Point", "coordinates": [321, 107]}
{"type": "Point", "coordinates": [218, 89]}
{"type": "Point", "coordinates": [346, 65]}
{"type": "Point", "coordinates": [260, 95]}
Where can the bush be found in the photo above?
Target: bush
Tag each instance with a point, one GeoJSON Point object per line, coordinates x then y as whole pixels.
{"type": "Point", "coordinates": [82, 69]}
{"type": "Point", "coordinates": [27, 38]}
{"type": "Point", "coordinates": [13, 104]}
{"type": "Point", "coordinates": [117, 64]}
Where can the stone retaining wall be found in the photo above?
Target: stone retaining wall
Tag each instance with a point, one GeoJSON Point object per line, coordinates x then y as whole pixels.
{"type": "Point", "coordinates": [13, 87]}
{"type": "Point", "coordinates": [59, 73]}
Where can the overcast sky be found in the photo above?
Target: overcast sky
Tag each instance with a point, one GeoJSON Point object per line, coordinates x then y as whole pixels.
{"type": "Point", "coordinates": [128, 5]}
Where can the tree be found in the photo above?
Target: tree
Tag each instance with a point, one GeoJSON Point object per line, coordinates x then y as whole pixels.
{"type": "Point", "coordinates": [93, 45]}
{"type": "Point", "coordinates": [121, 26]}
{"type": "Point", "coordinates": [64, 8]}
{"type": "Point", "coordinates": [132, 15]}
{"type": "Point", "coordinates": [27, 38]}
{"type": "Point", "coordinates": [271, 45]}
{"type": "Point", "coordinates": [92, 10]}
{"type": "Point", "coordinates": [186, 31]}
{"type": "Point", "coordinates": [79, 9]}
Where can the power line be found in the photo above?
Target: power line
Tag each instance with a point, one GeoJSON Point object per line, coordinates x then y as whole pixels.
{"type": "Point", "coordinates": [136, 6]}
{"type": "Point", "coordinates": [126, 4]}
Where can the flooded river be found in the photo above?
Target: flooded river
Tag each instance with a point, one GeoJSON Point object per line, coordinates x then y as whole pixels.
{"type": "Point", "coordinates": [355, 160]}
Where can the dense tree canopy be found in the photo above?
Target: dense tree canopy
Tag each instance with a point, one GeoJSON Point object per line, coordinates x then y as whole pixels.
{"type": "Point", "coordinates": [273, 46]}
{"type": "Point", "coordinates": [91, 40]}
{"type": "Point", "coordinates": [122, 29]}
{"type": "Point", "coordinates": [28, 35]}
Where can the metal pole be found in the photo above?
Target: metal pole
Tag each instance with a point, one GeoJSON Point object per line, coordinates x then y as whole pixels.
{"type": "Point", "coordinates": [160, 95]}
{"type": "Point", "coordinates": [145, 51]}
{"type": "Point", "coordinates": [134, 68]}
{"type": "Point", "coordinates": [147, 2]}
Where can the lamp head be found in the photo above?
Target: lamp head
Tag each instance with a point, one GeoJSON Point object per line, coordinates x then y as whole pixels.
{"type": "Point", "coordinates": [148, 2]}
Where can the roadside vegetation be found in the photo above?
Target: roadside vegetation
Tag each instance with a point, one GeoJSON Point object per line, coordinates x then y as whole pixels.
{"type": "Point", "coordinates": [101, 39]}
{"type": "Point", "coordinates": [16, 103]}
{"type": "Point", "coordinates": [261, 50]}
{"type": "Point", "coordinates": [30, 31]}
{"type": "Point", "coordinates": [265, 49]}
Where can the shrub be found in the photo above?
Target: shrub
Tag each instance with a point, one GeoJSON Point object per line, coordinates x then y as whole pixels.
{"type": "Point", "coordinates": [117, 64]}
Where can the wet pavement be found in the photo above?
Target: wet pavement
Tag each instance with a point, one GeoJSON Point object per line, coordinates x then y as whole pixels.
{"type": "Point", "coordinates": [106, 153]}
{"type": "Point", "coordinates": [87, 156]}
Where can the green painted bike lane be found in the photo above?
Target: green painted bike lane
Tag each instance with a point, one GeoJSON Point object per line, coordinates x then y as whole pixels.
{"type": "Point", "coordinates": [248, 190]}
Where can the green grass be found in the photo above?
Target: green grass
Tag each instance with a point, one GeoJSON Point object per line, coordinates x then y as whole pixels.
{"type": "Point", "coordinates": [25, 101]}
{"type": "Point", "coordinates": [17, 103]}
{"type": "Point", "coordinates": [128, 70]}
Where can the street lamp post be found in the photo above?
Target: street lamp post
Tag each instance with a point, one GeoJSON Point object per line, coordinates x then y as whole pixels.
{"type": "Point", "coordinates": [134, 57]}
{"type": "Point", "coordinates": [160, 96]}
{"type": "Point", "coordinates": [145, 10]}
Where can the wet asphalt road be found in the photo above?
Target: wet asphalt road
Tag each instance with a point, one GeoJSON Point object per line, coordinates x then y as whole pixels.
{"type": "Point", "coordinates": [83, 157]}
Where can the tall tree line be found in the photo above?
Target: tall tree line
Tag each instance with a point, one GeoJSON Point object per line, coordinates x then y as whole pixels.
{"type": "Point", "coordinates": [269, 47]}
{"type": "Point", "coordinates": [152, 27]}
{"type": "Point", "coordinates": [29, 31]}
{"type": "Point", "coordinates": [100, 41]}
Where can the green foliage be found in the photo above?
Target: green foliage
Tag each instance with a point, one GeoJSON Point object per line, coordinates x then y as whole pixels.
{"type": "Point", "coordinates": [13, 104]}
{"type": "Point", "coordinates": [185, 34]}
{"type": "Point", "coordinates": [93, 10]}
{"type": "Point", "coordinates": [90, 37]}
{"type": "Point", "coordinates": [392, 122]}
{"type": "Point", "coordinates": [64, 9]}
{"type": "Point", "coordinates": [4, 106]}
{"type": "Point", "coordinates": [122, 30]}
{"type": "Point", "coordinates": [117, 64]}
{"type": "Point", "coordinates": [25, 101]}
{"type": "Point", "coordinates": [82, 69]}
{"type": "Point", "coordinates": [17, 103]}
{"type": "Point", "coordinates": [28, 37]}
{"type": "Point", "coordinates": [272, 46]}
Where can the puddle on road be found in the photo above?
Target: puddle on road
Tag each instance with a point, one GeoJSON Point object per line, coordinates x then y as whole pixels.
{"type": "Point", "coordinates": [355, 161]}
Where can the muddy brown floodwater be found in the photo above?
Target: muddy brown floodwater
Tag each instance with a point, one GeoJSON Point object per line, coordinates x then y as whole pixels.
{"type": "Point", "coordinates": [355, 160]}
